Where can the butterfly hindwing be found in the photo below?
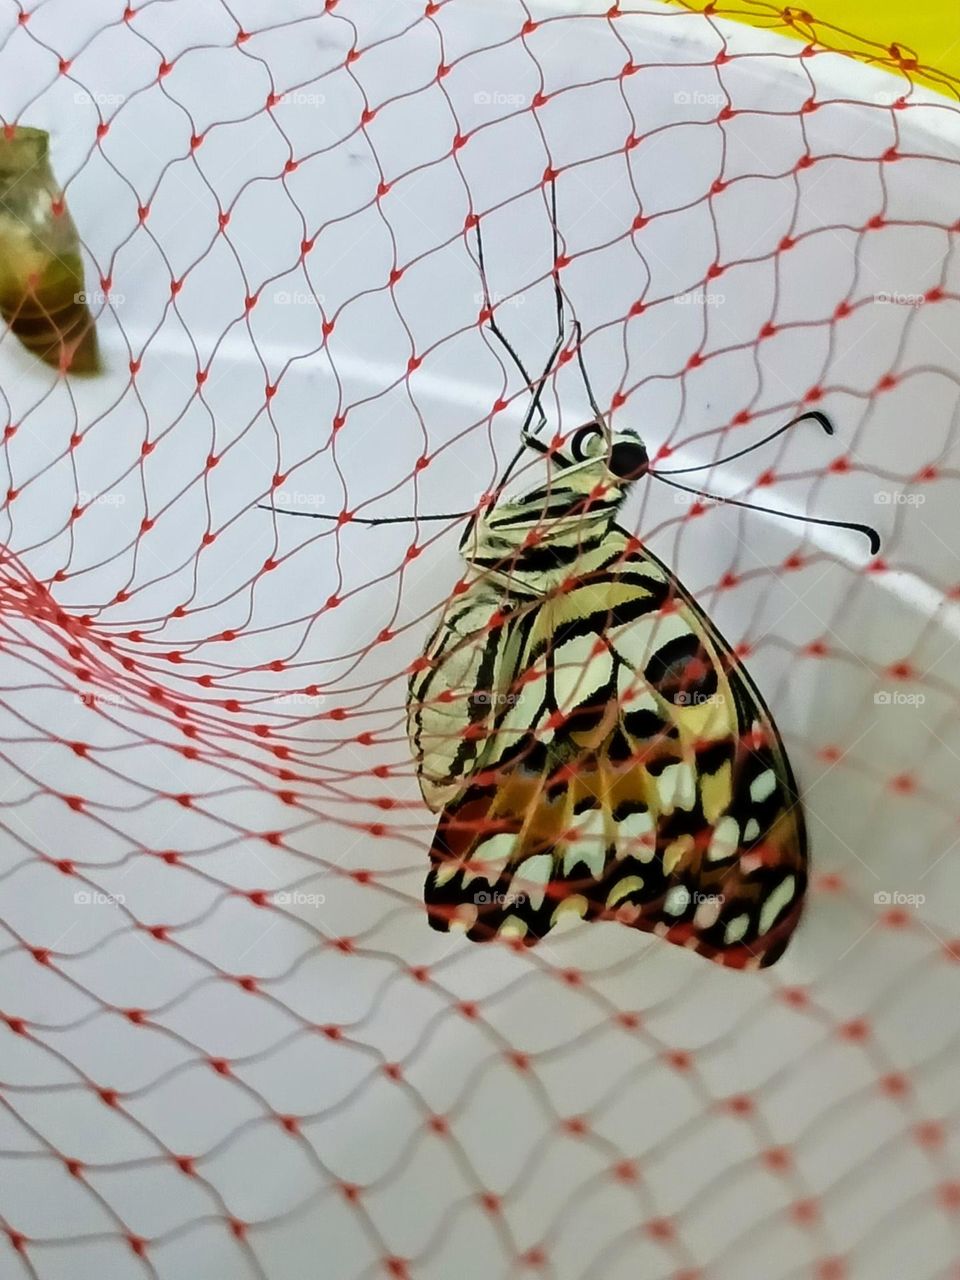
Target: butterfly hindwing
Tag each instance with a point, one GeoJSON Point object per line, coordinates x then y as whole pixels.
{"type": "Point", "coordinates": [627, 770]}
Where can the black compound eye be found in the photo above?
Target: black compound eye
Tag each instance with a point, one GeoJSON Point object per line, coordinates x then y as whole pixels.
{"type": "Point", "coordinates": [628, 459]}
{"type": "Point", "coordinates": [581, 445]}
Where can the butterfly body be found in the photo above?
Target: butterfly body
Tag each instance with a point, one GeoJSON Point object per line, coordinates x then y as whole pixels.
{"type": "Point", "coordinates": [593, 746]}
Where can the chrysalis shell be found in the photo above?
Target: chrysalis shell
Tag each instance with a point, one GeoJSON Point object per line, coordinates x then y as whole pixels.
{"type": "Point", "coordinates": [42, 295]}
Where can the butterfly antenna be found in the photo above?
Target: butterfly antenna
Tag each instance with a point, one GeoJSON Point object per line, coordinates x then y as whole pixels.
{"type": "Point", "coordinates": [534, 409]}
{"type": "Point", "coordinates": [583, 371]}
{"type": "Point", "coordinates": [536, 388]}
{"type": "Point", "coordinates": [577, 330]}
{"type": "Point", "coordinates": [558, 297]}
{"type": "Point", "coordinates": [558, 292]}
{"type": "Point", "coordinates": [811, 416]}
{"type": "Point", "coordinates": [491, 318]}
{"type": "Point", "coordinates": [867, 530]}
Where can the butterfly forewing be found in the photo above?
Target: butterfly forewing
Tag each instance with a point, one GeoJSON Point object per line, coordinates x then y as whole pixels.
{"type": "Point", "coordinates": [619, 764]}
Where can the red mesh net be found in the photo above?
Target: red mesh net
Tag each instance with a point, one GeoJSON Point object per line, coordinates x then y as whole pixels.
{"type": "Point", "coordinates": [231, 1046]}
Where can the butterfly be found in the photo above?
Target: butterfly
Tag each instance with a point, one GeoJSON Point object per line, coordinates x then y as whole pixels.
{"type": "Point", "coordinates": [593, 745]}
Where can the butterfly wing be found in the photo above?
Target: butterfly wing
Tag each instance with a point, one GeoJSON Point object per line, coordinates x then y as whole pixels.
{"type": "Point", "coordinates": [636, 775]}
{"type": "Point", "coordinates": [461, 686]}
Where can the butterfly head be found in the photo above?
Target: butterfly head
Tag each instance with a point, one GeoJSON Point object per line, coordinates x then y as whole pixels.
{"type": "Point", "coordinates": [589, 472]}
{"type": "Point", "coordinates": [615, 458]}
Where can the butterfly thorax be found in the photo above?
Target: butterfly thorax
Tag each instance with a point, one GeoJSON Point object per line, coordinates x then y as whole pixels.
{"type": "Point", "coordinates": [537, 540]}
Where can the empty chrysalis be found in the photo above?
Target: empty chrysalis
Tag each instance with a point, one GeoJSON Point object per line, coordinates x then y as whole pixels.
{"type": "Point", "coordinates": [42, 296]}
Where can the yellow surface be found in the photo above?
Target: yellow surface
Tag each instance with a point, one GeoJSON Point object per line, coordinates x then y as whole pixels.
{"type": "Point", "coordinates": [919, 40]}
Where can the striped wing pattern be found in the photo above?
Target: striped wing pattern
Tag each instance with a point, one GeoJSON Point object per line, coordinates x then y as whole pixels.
{"type": "Point", "coordinates": [599, 753]}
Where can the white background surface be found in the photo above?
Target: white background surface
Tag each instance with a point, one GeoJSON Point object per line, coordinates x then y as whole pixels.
{"type": "Point", "coordinates": [817, 1094]}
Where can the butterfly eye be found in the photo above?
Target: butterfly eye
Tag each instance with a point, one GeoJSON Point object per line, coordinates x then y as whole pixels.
{"type": "Point", "coordinates": [587, 442]}
{"type": "Point", "coordinates": [628, 459]}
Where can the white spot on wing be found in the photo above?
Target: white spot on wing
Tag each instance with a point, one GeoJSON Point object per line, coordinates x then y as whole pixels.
{"type": "Point", "coordinates": [707, 912]}
{"type": "Point", "coordinates": [677, 900]}
{"type": "Point", "coordinates": [513, 927]}
{"type": "Point", "coordinates": [725, 839]}
{"type": "Point", "coordinates": [667, 627]}
{"type": "Point", "coordinates": [488, 859]}
{"type": "Point", "coordinates": [634, 691]}
{"type": "Point", "coordinates": [463, 918]}
{"type": "Point", "coordinates": [636, 836]}
{"type": "Point", "coordinates": [736, 929]}
{"type": "Point", "coordinates": [531, 878]}
{"type": "Point", "coordinates": [446, 871]}
{"type": "Point", "coordinates": [763, 786]}
{"type": "Point", "coordinates": [569, 911]}
{"type": "Point", "coordinates": [776, 902]}
{"type": "Point", "coordinates": [677, 787]}
{"type": "Point", "coordinates": [588, 844]}
{"type": "Point", "coordinates": [578, 672]}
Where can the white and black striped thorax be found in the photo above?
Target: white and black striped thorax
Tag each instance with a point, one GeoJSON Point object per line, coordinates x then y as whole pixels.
{"type": "Point", "coordinates": [531, 535]}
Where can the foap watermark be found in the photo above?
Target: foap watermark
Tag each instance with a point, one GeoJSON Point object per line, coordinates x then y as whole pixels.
{"type": "Point", "coordinates": [700, 298]}
{"type": "Point", "coordinates": [300, 498]}
{"type": "Point", "coordinates": [500, 299]}
{"type": "Point", "coordinates": [897, 898]}
{"type": "Point", "coordinates": [99, 298]}
{"type": "Point", "coordinates": [96, 898]}
{"type": "Point", "coordinates": [85, 499]}
{"type": "Point", "coordinates": [896, 498]}
{"type": "Point", "coordinates": [707, 899]}
{"type": "Point", "coordinates": [93, 97]}
{"type": "Point", "coordinates": [304, 98]}
{"type": "Point", "coordinates": [897, 698]}
{"type": "Point", "coordinates": [497, 98]}
{"type": "Point", "coordinates": [693, 698]}
{"type": "Point", "coordinates": [490, 698]}
{"type": "Point", "coordinates": [89, 698]}
{"type": "Point", "coordinates": [296, 898]}
{"type": "Point", "coordinates": [300, 699]}
{"type": "Point", "coordinates": [696, 98]}
{"type": "Point", "coordinates": [298, 298]}
{"type": "Point", "coordinates": [894, 299]}
{"type": "Point", "coordinates": [496, 899]}
{"type": "Point", "coordinates": [684, 499]}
